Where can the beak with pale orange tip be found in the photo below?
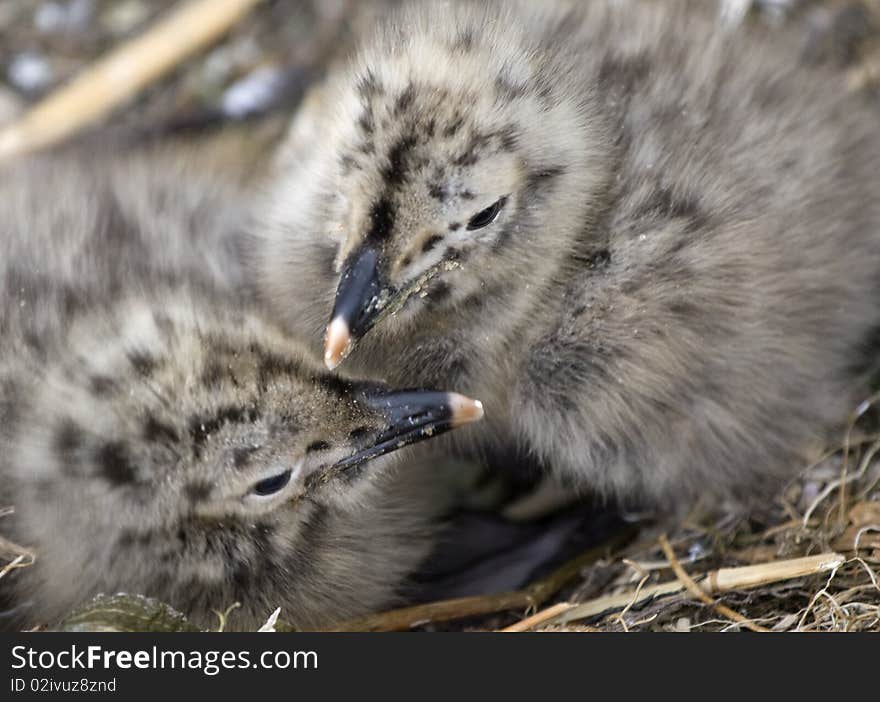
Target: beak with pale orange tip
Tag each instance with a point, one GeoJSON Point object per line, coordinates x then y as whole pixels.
{"type": "Point", "coordinates": [362, 297]}
{"type": "Point", "coordinates": [412, 416]}
{"type": "Point", "coordinates": [337, 342]}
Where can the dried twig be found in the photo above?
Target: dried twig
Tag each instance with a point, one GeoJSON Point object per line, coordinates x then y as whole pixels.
{"type": "Point", "coordinates": [645, 576]}
{"type": "Point", "coordinates": [695, 590]}
{"type": "Point", "coordinates": [122, 74]}
{"type": "Point", "coordinates": [821, 593]}
{"type": "Point", "coordinates": [538, 618]}
{"type": "Point", "coordinates": [533, 596]}
{"type": "Point", "coordinates": [841, 482]}
{"type": "Point", "coordinates": [18, 562]}
{"type": "Point", "coordinates": [717, 581]}
{"type": "Point", "coordinates": [224, 616]}
{"type": "Point", "coordinates": [746, 577]}
{"type": "Point", "coordinates": [447, 610]}
{"type": "Point", "coordinates": [23, 557]}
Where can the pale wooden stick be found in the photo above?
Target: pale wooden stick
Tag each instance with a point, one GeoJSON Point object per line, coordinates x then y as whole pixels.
{"type": "Point", "coordinates": [607, 603]}
{"type": "Point", "coordinates": [17, 562]}
{"type": "Point", "coordinates": [122, 74]}
{"type": "Point", "coordinates": [695, 590]}
{"type": "Point", "coordinates": [721, 580]}
{"type": "Point", "coordinates": [746, 577]}
{"type": "Point", "coordinates": [538, 618]}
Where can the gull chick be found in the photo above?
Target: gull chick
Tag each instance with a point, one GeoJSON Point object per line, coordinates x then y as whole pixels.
{"type": "Point", "coordinates": [159, 436]}
{"type": "Point", "coordinates": [650, 244]}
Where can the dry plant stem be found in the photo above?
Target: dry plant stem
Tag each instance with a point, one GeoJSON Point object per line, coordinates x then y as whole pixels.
{"type": "Point", "coordinates": [122, 74]}
{"type": "Point", "coordinates": [538, 618]}
{"type": "Point", "coordinates": [854, 418]}
{"type": "Point", "coordinates": [842, 482]}
{"type": "Point", "coordinates": [24, 557]}
{"type": "Point", "coordinates": [224, 615]}
{"type": "Point", "coordinates": [839, 602]}
{"type": "Point", "coordinates": [746, 577]}
{"type": "Point", "coordinates": [621, 618]}
{"type": "Point", "coordinates": [851, 441]}
{"type": "Point", "coordinates": [822, 593]}
{"type": "Point", "coordinates": [447, 610]}
{"type": "Point", "coordinates": [695, 590]}
{"type": "Point", "coordinates": [17, 562]}
{"type": "Point", "coordinates": [608, 603]}
{"type": "Point", "coordinates": [720, 580]}
{"type": "Point", "coordinates": [7, 546]}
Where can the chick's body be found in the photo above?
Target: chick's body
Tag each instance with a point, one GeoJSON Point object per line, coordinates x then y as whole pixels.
{"type": "Point", "coordinates": [649, 244]}
{"type": "Point", "coordinates": [157, 435]}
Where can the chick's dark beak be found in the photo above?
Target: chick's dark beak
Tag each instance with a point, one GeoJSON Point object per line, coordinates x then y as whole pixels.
{"type": "Point", "coordinates": [360, 299]}
{"type": "Point", "coordinates": [411, 416]}
{"type": "Point", "coordinates": [357, 305]}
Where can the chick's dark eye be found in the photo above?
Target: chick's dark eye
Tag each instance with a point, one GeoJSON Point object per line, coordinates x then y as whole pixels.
{"type": "Point", "coordinates": [487, 216]}
{"type": "Point", "coordinates": [270, 486]}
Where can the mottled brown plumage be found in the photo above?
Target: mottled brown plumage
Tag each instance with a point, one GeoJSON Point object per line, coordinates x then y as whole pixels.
{"type": "Point", "coordinates": [158, 436]}
{"type": "Point", "coordinates": [648, 242]}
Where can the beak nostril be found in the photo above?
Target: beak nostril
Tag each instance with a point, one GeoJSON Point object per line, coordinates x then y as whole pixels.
{"type": "Point", "coordinates": [359, 433]}
{"type": "Point", "coordinates": [317, 446]}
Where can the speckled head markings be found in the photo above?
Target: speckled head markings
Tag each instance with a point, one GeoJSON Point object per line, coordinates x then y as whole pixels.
{"type": "Point", "coordinates": [159, 436]}
{"type": "Point", "coordinates": [446, 143]}
{"type": "Point", "coordinates": [631, 230]}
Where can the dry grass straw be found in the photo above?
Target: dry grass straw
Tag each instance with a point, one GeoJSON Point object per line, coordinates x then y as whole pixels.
{"type": "Point", "coordinates": [695, 590]}
{"type": "Point", "coordinates": [807, 562]}
{"type": "Point", "coordinates": [122, 74]}
{"type": "Point", "coordinates": [528, 599]}
{"type": "Point", "coordinates": [19, 556]}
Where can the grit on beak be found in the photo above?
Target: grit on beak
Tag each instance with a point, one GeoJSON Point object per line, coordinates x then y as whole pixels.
{"type": "Point", "coordinates": [363, 298]}
{"type": "Point", "coordinates": [412, 416]}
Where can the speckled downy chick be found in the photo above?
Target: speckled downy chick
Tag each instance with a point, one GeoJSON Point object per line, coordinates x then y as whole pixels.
{"type": "Point", "coordinates": [649, 244]}
{"type": "Point", "coordinates": [159, 436]}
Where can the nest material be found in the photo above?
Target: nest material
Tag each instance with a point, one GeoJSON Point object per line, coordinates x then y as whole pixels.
{"type": "Point", "coordinates": [661, 579]}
